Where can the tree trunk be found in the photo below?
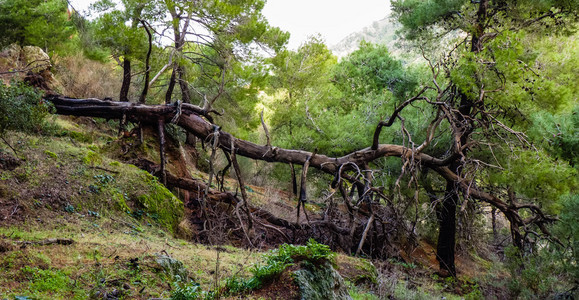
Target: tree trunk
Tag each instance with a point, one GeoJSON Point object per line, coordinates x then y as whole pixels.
{"type": "Point", "coordinates": [446, 214]}
{"type": "Point", "coordinates": [169, 94]}
{"type": "Point", "coordinates": [124, 95]}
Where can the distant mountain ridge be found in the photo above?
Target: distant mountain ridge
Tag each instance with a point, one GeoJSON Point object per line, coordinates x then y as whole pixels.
{"type": "Point", "coordinates": [379, 32]}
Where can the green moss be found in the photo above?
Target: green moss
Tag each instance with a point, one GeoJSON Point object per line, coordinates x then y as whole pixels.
{"type": "Point", "coordinates": [120, 201]}
{"type": "Point", "coordinates": [115, 164]}
{"type": "Point", "coordinates": [92, 158]}
{"type": "Point", "coordinates": [80, 137]}
{"type": "Point", "coordinates": [51, 154]}
{"type": "Point", "coordinates": [46, 280]}
{"type": "Point", "coordinates": [368, 272]}
{"type": "Point", "coordinates": [159, 202]}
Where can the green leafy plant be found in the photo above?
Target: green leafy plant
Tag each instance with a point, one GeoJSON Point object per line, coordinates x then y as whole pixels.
{"type": "Point", "coordinates": [189, 291]}
{"type": "Point", "coordinates": [21, 108]}
{"type": "Point", "coordinates": [277, 261]}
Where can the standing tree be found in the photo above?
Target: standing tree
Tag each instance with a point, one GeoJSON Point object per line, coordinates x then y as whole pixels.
{"type": "Point", "coordinates": [485, 81]}
{"type": "Point", "coordinates": [208, 36]}
{"type": "Point", "coordinates": [118, 30]}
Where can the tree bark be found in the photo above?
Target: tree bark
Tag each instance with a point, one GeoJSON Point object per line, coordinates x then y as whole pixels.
{"type": "Point", "coordinates": [143, 97]}
{"type": "Point", "coordinates": [446, 214]}
{"type": "Point", "coordinates": [461, 130]}
{"type": "Point", "coordinates": [161, 128]}
{"type": "Point", "coordinates": [126, 85]}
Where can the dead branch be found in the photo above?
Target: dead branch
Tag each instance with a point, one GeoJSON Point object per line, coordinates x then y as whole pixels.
{"type": "Point", "coordinates": [46, 242]}
{"type": "Point", "coordinates": [192, 121]}
{"type": "Point", "coordinates": [161, 129]}
{"type": "Point", "coordinates": [395, 114]}
{"type": "Point", "coordinates": [243, 193]}
{"type": "Point", "coordinates": [363, 239]}
{"type": "Point", "coordinates": [265, 130]}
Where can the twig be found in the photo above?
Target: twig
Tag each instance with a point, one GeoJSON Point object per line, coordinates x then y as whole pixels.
{"type": "Point", "coordinates": [47, 242]}
{"type": "Point", "coordinates": [6, 142]}
{"type": "Point", "coordinates": [243, 194]}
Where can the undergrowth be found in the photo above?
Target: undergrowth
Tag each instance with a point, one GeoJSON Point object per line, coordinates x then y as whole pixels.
{"type": "Point", "coordinates": [277, 261]}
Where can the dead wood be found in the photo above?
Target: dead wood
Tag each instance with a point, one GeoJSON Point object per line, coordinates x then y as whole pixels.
{"type": "Point", "coordinates": [161, 128]}
{"type": "Point", "coordinates": [196, 121]}
{"type": "Point", "coordinates": [45, 242]}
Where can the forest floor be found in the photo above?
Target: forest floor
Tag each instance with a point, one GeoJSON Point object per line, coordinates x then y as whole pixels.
{"type": "Point", "coordinates": [75, 222]}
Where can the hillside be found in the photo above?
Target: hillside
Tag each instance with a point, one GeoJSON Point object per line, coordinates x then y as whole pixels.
{"type": "Point", "coordinates": [379, 32]}
{"type": "Point", "coordinates": [77, 222]}
{"type": "Point", "coordinates": [78, 219]}
{"type": "Point", "coordinates": [220, 164]}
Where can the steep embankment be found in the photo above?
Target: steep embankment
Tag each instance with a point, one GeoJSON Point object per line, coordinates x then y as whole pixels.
{"type": "Point", "coordinates": [75, 222]}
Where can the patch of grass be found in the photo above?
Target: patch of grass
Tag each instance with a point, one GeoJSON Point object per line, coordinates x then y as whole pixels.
{"type": "Point", "coordinates": [51, 154]}
{"type": "Point", "coordinates": [92, 158]}
{"type": "Point", "coordinates": [106, 258]}
{"type": "Point", "coordinates": [358, 294]}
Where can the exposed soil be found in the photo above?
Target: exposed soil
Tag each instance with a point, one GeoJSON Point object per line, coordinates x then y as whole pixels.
{"type": "Point", "coordinates": [283, 288]}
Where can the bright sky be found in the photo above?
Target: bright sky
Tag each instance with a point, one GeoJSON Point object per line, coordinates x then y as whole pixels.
{"type": "Point", "coordinates": [333, 19]}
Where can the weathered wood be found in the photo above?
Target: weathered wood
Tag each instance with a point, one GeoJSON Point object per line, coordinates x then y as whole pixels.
{"type": "Point", "coordinates": [194, 120]}
{"type": "Point", "coordinates": [161, 128]}
{"type": "Point", "coordinates": [243, 191]}
{"type": "Point", "coordinates": [294, 180]}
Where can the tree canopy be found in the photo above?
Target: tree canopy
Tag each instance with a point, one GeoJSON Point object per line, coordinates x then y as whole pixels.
{"type": "Point", "coordinates": [39, 23]}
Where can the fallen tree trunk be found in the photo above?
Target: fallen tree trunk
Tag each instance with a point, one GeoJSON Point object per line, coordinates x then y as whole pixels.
{"type": "Point", "coordinates": [196, 121]}
{"type": "Point", "coordinates": [191, 119]}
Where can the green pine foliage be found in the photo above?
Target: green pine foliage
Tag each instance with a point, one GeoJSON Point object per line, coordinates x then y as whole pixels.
{"type": "Point", "coordinates": [35, 22]}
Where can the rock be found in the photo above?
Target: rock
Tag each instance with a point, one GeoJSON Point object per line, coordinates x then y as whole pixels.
{"type": "Point", "coordinates": [321, 282]}
{"type": "Point", "coordinates": [172, 267]}
{"type": "Point", "coordinates": [10, 56]}
{"type": "Point", "coordinates": [35, 59]}
{"type": "Point", "coordinates": [19, 61]}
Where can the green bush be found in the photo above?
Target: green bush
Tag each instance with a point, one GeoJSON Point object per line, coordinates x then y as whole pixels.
{"type": "Point", "coordinates": [21, 108]}
{"type": "Point", "coordinates": [550, 269]}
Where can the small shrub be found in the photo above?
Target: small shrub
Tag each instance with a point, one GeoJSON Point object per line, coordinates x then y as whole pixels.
{"type": "Point", "coordinates": [21, 108]}
{"type": "Point", "coordinates": [277, 261]}
{"type": "Point", "coordinates": [51, 154]}
{"type": "Point", "coordinates": [189, 291]}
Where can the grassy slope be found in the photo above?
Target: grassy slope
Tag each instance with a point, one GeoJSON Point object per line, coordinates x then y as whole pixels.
{"type": "Point", "coordinates": [119, 217]}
